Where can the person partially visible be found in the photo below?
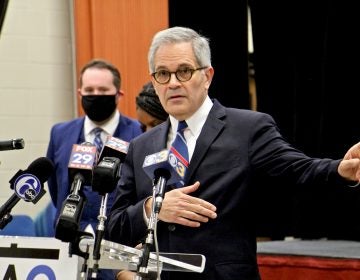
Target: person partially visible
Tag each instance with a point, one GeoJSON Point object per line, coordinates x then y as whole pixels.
{"type": "Point", "coordinates": [227, 149]}
{"type": "Point", "coordinates": [149, 110]}
{"type": "Point", "coordinates": [100, 92]}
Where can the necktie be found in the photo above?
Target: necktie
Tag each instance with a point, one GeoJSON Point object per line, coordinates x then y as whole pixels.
{"type": "Point", "coordinates": [97, 140]}
{"type": "Point", "coordinates": [179, 147]}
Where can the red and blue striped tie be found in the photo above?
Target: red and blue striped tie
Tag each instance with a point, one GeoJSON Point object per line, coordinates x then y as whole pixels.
{"type": "Point", "coordinates": [179, 147]}
{"type": "Point", "coordinates": [97, 140]}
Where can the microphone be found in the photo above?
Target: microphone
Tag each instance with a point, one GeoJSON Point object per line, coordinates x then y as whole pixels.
{"type": "Point", "coordinates": [80, 168]}
{"type": "Point", "coordinates": [82, 160]}
{"type": "Point", "coordinates": [105, 178]}
{"type": "Point", "coordinates": [106, 175]}
{"type": "Point", "coordinates": [165, 168]}
{"type": "Point", "coordinates": [114, 147]}
{"type": "Point", "coordinates": [13, 144]}
{"type": "Point", "coordinates": [27, 185]}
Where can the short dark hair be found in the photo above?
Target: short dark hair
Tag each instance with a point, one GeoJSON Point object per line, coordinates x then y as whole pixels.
{"type": "Point", "coordinates": [103, 64]}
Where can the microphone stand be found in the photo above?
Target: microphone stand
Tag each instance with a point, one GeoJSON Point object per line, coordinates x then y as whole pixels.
{"type": "Point", "coordinates": [7, 218]}
{"type": "Point", "coordinates": [100, 229]}
{"type": "Point", "coordinates": [158, 195]}
{"type": "Point", "coordinates": [74, 245]}
{"type": "Point", "coordinates": [5, 212]}
{"type": "Point", "coordinates": [108, 172]}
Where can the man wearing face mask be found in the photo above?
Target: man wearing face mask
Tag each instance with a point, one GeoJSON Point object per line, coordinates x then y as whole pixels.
{"type": "Point", "coordinates": [99, 91]}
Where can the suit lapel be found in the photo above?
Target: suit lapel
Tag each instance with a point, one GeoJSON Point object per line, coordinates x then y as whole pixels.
{"type": "Point", "coordinates": [75, 135]}
{"type": "Point", "coordinates": [212, 128]}
{"type": "Point", "coordinates": [160, 137]}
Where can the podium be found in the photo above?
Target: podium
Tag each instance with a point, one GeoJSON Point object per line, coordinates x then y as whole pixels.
{"type": "Point", "coordinates": [23, 257]}
{"type": "Point", "coordinates": [27, 257]}
{"type": "Point", "coordinates": [117, 256]}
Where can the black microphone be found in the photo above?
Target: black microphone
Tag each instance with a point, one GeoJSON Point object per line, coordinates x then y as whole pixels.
{"type": "Point", "coordinates": [106, 175]}
{"type": "Point", "coordinates": [113, 148]}
{"type": "Point", "coordinates": [80, 168]}
{"type": "Point", "coordinates": [165, 168]}
{"type": "Point", "coordinates": [13, 144]}
{"type": "Point", "coordinates": [105, 178]}
{"type": "Point", "coordinates": [27, 185]}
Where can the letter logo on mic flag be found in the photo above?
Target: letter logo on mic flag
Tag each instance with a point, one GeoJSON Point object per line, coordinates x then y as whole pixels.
{"type": "Point", "coordinates": [114, 147]}
{"type": "Point", "coordinates": [82, 156]}
{"type": "Point", "coordinates": [27, 187]}
{"type": "Point", "coordinates": [69, 210]}
{"type": "Point", "coordinates": [165, 160]}
{"type": "Point", "coordinates": [82, 160]}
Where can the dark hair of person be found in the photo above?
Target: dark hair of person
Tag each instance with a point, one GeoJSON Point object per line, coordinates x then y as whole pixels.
{"type": "Point", "coordinates": [148, 101]}
{"type": "Point", "coordinates": [103, 64]}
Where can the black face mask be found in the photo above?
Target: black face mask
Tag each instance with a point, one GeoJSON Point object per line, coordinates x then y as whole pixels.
{"type": "Point", "coordinates": [99, 107]}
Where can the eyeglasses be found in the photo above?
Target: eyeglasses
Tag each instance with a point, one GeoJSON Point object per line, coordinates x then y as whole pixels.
{"type": "Point", "coordinates": [182, 74]}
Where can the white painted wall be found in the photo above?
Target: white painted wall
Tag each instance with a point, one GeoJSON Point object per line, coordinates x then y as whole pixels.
{"type": "Point", "coordinates": [36, 84]}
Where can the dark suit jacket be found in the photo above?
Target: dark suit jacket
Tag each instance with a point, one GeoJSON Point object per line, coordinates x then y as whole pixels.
{"type": "Point", "coordinates": [62, 137]}
{"type": "Point", "coordinates": [233, 148]}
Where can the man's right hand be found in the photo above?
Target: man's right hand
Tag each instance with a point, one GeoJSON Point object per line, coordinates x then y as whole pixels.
{"type": "Point", "coordinates": [181, 208]}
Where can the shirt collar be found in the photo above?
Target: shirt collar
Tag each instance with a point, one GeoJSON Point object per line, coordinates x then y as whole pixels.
{"type": "Point", "coordinates": [197, 120]}
{"type": "Point", "coordinates": [109, 127]}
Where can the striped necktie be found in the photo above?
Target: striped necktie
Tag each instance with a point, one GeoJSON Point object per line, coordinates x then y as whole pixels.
{"type": "Point", "coordinates": [97, 140]}
{"type": "Point", "coordinates": [179, 147]}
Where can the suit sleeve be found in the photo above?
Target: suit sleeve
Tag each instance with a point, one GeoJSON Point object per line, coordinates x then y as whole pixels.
{"type": "Point", "coordinates": [52, 184]}
{"type": "Point", "coordinates": [271, 153]}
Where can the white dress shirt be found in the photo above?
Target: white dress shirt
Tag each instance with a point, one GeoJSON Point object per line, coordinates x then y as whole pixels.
{"type": "Point", "coordinates": [191, 133]}
{"type": "Point", "coordinates": [108, 128]}
{"type": "Point", "coordinates": [195, 124]}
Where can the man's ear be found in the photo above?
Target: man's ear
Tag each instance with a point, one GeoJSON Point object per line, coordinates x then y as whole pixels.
{"type": "Point", "coordinates": [209, 75]}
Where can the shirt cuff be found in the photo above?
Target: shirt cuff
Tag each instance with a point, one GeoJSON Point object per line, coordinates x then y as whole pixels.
{"type": "Point", "coordinates": [146, 219]}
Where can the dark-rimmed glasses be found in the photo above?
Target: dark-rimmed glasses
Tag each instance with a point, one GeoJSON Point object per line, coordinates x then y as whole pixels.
{"type": "Point", "coordinates": [182, 74]}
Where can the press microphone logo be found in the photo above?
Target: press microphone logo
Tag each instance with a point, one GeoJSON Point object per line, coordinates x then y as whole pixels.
{"type": "Point", "coordinates": [27, 187]}
{"type": "Point", "coordinates": [82, 157]}
{"type": "Point", "coordinates": [177, 165]}
{"type": "Point", "coordinates": [117, 144]}
{"type": "Point", "coordinates": [156, 158]}
{"type": "Point", "coordinates": [165, 157]}
{"type": "Point", "coordinates": [69, 210]}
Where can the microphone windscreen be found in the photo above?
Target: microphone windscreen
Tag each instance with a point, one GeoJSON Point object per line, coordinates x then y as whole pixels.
{"type": "Point", "coordinates": [41, 168]}
{"type": "Point", "coordinates": [106, 175]}
{"type": "Point", "coordinates": [28, 184]}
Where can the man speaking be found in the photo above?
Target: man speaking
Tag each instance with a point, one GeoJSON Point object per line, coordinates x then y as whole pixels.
{"type": "Point", "coordinates": [212, 214]}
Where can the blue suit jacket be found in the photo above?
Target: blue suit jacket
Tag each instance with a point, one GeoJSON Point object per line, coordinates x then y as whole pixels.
{"type": "Point", "coordinates": [234, 147]}
{"type": "Point", "coordinates": [62, 137]}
